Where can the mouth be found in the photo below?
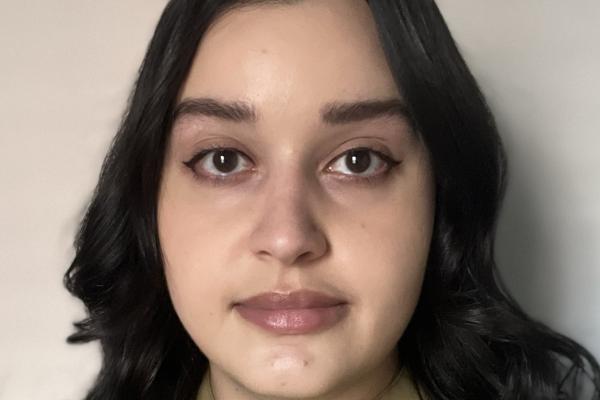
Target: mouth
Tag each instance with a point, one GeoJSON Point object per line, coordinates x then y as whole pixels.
{"type": "Point", "coordinates": [299, 312]}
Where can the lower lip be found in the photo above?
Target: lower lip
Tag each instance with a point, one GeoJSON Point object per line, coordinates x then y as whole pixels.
{"type": "Point", "coordinates": [294, 321]}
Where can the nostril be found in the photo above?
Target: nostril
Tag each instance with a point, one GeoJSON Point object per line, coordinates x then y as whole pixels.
{"type": "Point", "coordinates": [302, 257]}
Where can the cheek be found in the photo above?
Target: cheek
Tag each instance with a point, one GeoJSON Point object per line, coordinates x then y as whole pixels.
{"type": "Point", "coordinates": [385, 262]}
{"type": "Point", "coordinates": [384, 251]}
{"type": "Point", "coordinates": [187, 290]}
{"type": "Point", "coordinates": [194, 246]}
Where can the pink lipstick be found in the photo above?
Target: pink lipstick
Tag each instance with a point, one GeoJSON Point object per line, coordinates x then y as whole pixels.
{"type": "Point", "coordinates": [299, 312]}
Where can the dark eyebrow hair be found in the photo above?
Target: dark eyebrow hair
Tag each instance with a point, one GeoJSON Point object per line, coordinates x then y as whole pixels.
{"type": "Point", "coordinates": [332, 113]}
{"type": "Point", "coordinates": [237, 111]}
{"type": "Point", "coordinates": [343, 113]}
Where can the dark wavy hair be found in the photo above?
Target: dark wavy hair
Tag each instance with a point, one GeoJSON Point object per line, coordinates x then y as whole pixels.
{"type": "Point", "coordinates": [468, 339]}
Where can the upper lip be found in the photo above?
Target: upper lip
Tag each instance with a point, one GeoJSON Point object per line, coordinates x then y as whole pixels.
{"type": "Point", "coordinates": [293, 300]}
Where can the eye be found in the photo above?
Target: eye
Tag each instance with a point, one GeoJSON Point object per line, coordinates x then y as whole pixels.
{"type": "Point", "coordinates": [363, 163]}
{"type": "Point", "coordinates": [218, 163]}
{"type": "Point", "coordinates": [221, 164]}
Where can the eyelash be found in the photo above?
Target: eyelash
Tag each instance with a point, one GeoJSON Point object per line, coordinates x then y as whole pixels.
{"type": "Point", "coordinates": [218, 180]}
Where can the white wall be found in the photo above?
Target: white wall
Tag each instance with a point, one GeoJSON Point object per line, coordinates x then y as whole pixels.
{"type": "Point", "coordinates": [66, 69]}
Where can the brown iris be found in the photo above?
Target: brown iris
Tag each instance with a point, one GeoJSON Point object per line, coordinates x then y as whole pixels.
{"type": "Point", "coordinates": [225, 160]}
{"type": "Point", "coordinates": [358, 160]}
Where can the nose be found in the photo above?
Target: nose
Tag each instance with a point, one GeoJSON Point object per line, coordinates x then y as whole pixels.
{"type": "Point", "coordinates": [287, 231]}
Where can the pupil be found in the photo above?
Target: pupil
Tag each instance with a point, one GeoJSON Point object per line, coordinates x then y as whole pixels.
{"type": "Point", "coordinates": [225, 160]}
{"type": "Point", "coordinates": [358, 161]}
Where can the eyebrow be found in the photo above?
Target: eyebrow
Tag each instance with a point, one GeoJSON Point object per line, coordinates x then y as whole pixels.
{"type": "Point", "coordinates": [343, 113]}
{"type": "Point", "coordinates": [336, 113]}
{"type": "Point", "coordinates": [237, 111]}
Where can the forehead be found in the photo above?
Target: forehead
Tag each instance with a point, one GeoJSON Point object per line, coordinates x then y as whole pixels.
{"type": "Point", "coordinates": [298, 56]}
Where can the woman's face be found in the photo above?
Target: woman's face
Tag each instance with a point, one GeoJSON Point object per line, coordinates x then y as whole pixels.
{"type": "Point", "coordinates": [290, 91]}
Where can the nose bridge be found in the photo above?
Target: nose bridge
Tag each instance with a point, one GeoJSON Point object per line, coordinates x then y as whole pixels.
{"type": "Point", "coordinates": [287, 231]}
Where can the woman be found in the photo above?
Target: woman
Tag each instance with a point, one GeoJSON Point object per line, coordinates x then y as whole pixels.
{"type": "Point", "coordinates": [301, 203]}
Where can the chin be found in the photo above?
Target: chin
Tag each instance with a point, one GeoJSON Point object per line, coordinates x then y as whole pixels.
{"type": "Point", "coordinates": [289, 387]}
{"type": "Point", "coordinates": [288, 377]}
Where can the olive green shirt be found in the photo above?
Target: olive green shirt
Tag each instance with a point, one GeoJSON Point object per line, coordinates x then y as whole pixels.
{"type": "Point", "coordinates": [402, 388]}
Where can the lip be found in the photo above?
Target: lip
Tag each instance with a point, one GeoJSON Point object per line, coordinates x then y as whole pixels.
{"type": "Point", "coordinates": [299, 312]}
{"type": "Point", "coordinates": [293, 300]}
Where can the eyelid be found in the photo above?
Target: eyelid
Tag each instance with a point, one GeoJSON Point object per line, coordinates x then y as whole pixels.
{"type": "Point", "coordinates": [201, 154]}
